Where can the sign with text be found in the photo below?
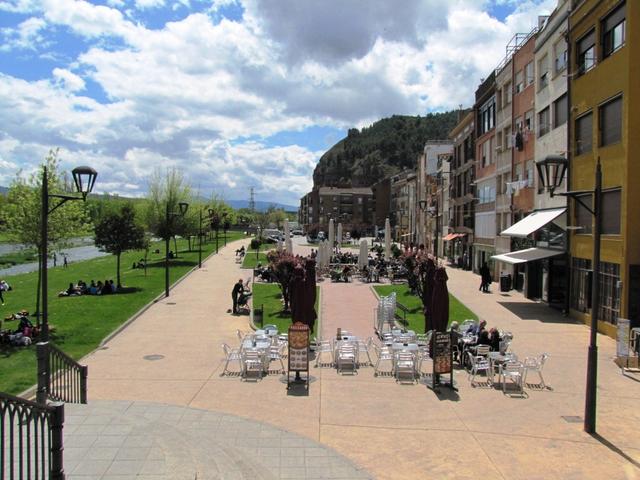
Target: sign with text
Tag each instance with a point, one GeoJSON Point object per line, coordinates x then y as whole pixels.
{"type": "Point", "coordinates": [299, 347]}
{"type": "Point", "coordinates": [442, 353]}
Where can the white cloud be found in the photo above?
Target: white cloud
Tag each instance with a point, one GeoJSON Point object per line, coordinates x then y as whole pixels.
{"type": "Point", "coordinates": [28, 35]}
{"type": "Point", "coordinates": [186, 94]}
{"type": "Point", "coordinates": [146, 4]}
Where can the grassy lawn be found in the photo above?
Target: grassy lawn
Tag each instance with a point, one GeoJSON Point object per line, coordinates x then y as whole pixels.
{"type": "Point", "coordinates": [81, 323]}
{"type": "Point", "coordinates": [457, 311]}
{"type": "Point", "coordinates": [250, 260]}
{"type": "Point", "coordinates": [268, 294]}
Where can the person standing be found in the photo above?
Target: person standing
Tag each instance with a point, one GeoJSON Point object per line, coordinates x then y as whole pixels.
{"type": "Point", "coordinates": [485, 275]}
{"type": "Point", "coordinates": [65, 264]}
{"type": "Point", "coordinates": [2, 289]}
{"type": "Point", "coordinates": [55, 259]}
{"type": "Point", "coordinates": [235, 293]}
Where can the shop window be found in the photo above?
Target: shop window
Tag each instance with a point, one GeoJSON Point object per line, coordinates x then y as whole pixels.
{"type": "Point", "coordinates": [580, 284]}
{"type": "Point", "coordinates": [560, 111]}
{"type": "Point", "coordinates": [586, 52]}
{"type": "Point", "coordinates": [611, 122]}
{"type": "Point", "coordinates": [613, 31]}
{"type": "Point", "coordinates": [611, 212]}
{"type": "Point", "coordinates": [584, 133]}
{"type": "Point", "coordinates": [609, 280]}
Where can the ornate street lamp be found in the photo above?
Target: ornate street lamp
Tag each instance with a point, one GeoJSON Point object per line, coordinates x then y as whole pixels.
{"type": "Point", "coordinates": [84, 179]}
{"type": "Point", "coordinates": [551, 171]}
{"type": "Point", "coordinates": [169, 215]}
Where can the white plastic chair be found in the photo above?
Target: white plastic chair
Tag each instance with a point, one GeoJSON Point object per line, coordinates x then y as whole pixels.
{"type": "Point", "coordinates": [252, 361]}
{"type": "Point", "coordinates": [323, 346]}
{"type": "Point", "coordinates": [347, 356]}
{"type": "Point", "coordinates": [478, 364]}
{"type": "Point", "coordinates": [513, 371]}
{"type": "Point", "coordinates": [535, 364]}
{"type": "Point", "coordinates": [405, 366]}
{"type": "Point", "coordinates": [363, 347]}
{"type": "Point", "coordinates": [231, 354]}
{"type": "Point", "coordinates": [276, 354]}
{"type": "Point", "coordinates": [382, 354]}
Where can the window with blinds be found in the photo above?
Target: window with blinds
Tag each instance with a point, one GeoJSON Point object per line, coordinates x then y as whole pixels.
{"type": "Point", "coordinates": [586, 52]}
{"type": "Point", "coordinates": [613, 31]}
{"type": "Point", "coordinates": [611, 122]}
{"type": "Point", "coordinates": [560, 111]}
{"type": "Point", "coordinates": [611, 212]}
{"type": "Point", "coordinates": [584, 134]}
{"type": "Point", "coordinates": [582, 215]}
{"type": "Point", "coordinates": [543, 122]}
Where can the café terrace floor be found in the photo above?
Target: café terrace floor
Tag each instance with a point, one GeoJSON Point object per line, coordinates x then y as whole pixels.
{"type": "Point", "coordinates": [177, 417]}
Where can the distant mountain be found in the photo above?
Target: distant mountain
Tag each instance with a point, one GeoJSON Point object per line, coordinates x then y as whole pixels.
{"type": "Point", "coordinates": [260, 205]}
{"type": "Point", "coordinates": [386, 147]}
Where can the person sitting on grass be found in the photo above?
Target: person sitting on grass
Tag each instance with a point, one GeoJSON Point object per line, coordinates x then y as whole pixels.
{"type": "Point", "coordinates": [106, 288]}
{"type": "Point", "coordinates": [99, 287]}
{"type": "Point", "coordinates": [93, 290]}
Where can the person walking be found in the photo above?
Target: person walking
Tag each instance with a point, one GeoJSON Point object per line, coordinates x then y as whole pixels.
{"type": "Point", "coordinates": [485, 275]}
{"type": "Point", "coordinates": [65, 264]}
{"type": "Point", "coordinates": [238, 288]}
{"type": "Point", "coordinates": [55, 259]}
{"type": "Point", "coordinates": [3, 287]}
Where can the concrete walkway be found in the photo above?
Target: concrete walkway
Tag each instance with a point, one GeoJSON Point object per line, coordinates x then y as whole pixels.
{"type": "Point", "coordinates": [388, 430]}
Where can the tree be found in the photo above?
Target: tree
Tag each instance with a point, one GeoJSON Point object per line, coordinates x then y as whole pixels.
{"type": "Point", "coordinates": [166, 191]}
{"type": "Point", "coordinates": [23, 212]}
{"type": "Point", "coordinates": [283, 264]}
{"type": "Point", "coordinates": [276, 216]}
{"type": "Point", "coordinates": [420, 271]}
{"type": "Point", "coordinates": [118, 232]}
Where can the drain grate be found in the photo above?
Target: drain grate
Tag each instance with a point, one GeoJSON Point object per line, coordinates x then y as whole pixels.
{"type": "Point", "coordinates": [155, 356]}
{"type": "Point", "coordinates": [572, 419]}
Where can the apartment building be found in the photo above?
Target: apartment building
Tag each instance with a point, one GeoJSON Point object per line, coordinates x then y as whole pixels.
{"type": "Point", "coordinates": [459, 246]}
{"type": "Point", "coordinates": [604, 93]}
{"type": "Point", "coordinates": [353, 207]}
{"type": "Point", "coordinates": [402, 212]}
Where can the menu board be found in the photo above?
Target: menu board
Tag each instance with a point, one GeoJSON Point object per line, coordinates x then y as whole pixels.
{"type": "Point", "coordinates": [441, 352]}
{"type": "Point", "coordinates": [622, 344]}
{"type": "Point", "coordinates": [299, 347]}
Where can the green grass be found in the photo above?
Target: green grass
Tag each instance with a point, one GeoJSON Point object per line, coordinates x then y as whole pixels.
{"type": "Point", "coordinates": [268, 294]}
{"type": "Point", "coordinates": [81, 323]}
{"type": "Point", "coordinates": [457, 311]}
{"type": "Point", "coordinates": [250, 260]}
{"type": "Point", "coordinates": [18, 258]}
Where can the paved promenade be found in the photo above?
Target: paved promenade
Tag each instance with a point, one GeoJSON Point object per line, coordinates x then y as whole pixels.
{"type": "Point", "coordinates": [387, 430]}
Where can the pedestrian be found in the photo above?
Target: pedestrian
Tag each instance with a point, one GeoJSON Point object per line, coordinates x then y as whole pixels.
{"type": "Point", "coordinates": [65, 264]}
{"type": "Point", "coordinates": [3, 287]}
{"type": "Point", "coordinates": [235, 293]}
{"type": "Point", "coordinates": [55, 259]}
{"type": "Point", "coordinates": [485, 276]}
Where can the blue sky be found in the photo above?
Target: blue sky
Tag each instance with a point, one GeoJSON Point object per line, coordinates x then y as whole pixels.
{"type": "Point", "coordinates": [234, 93]}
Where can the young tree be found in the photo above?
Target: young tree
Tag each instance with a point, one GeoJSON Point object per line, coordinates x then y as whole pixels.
{"type": "Point", "coordinates": [283, 264]}
{"type": "Point", "coordinates": [277, 216]}
{"type": "Point", "coordinates": [118, 232]}
{"type": "Point", "coordinates": [420, 275]}
{"type": "Point", "coordinates": [23, 212]}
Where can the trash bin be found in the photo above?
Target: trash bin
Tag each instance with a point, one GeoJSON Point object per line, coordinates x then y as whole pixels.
{"type": "Point", "coordinates": [505, 282]}
{"type": "Point", "coordinates": [258, 316]}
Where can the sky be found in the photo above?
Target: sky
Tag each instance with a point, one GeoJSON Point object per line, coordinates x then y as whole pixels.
{"type": "Point", "coordinates": [234, 93]}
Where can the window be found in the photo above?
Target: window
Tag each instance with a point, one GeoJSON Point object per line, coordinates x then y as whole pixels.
{"type": "Point", "coordinates": [560, 56]}
{"type": "Point", "coordinates": [530, 173]}
{"type": "Point", "coordinates": [507, 137]}
{"type": "Point", "coordinates": [519, 82]}
{"type": "Point", "coordinates": [499, 144]}
{"type": "Point", "coordinates": [543, 122]}
{"type": "Point", "coordinates": [560, 111]}
{"type": "Point", "coordinates": [529, 75]}
{"type": "Point", "coordinates": [487, 116]}
{"type": "Point", "coordinates": [609, 292]}
{"type": "Point", "coordinates": [506, 92]}
{"type": "Point", "coordinates": [611, 122]}
{"type": "Point", "coordinates": [518, 172]}
{"type": "Point", "coordinates": [586, 51]}
{"type": "Point", "coordinates": [580, 284]}
{"type": "Point", "coordinates": [543, 72]}
{"type": "Point", "coordinates": [610, 212]}
{"type": "Point", "coordinates": [528, 120]}
{"type": "Point", "coordinates": [582, 215]}
{"type": "Point", "coordinates": [584, 134]}
{"type": "Point", "coordinates": [613, 31]}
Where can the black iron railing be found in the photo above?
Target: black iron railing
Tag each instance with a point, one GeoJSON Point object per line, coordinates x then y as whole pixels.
{"type": "Point", "coordinates": [60, 377]}
{"type": "Point", "coordinates": [30, 439]}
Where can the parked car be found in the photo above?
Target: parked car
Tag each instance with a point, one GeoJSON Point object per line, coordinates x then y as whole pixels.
{"type": "Point", "coordinates": [297, 233]}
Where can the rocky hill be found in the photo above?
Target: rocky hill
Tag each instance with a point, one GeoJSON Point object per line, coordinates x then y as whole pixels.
{"type": "Point", "coordinates": [388, 146]}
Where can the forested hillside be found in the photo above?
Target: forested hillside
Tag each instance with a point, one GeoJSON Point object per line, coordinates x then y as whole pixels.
{"type": "Point", "coordinates": [386, 147]}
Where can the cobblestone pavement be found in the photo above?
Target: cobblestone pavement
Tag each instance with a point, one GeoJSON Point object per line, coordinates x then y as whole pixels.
{"type": "Point", "coordinates": [387, 429]}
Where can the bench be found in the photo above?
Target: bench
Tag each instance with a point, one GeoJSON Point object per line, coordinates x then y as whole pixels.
{"type": "Point", "coordinates": [402, 318]}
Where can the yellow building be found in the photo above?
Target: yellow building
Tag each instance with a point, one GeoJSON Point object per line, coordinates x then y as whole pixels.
{"type": "Point", "coordinates": [604, 36]}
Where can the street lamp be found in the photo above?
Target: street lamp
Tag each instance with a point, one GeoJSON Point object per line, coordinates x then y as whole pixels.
{"type": "Point", "coordinates": [432, 211]}
{"type": "Point", "coordinates": [200, 239]}
{"type": "Point", "coordinates": [169, 215]}
{"type": "Point", "coordinates": [551, 172]}
{"type": "Point", "coordinates": [84, 179]}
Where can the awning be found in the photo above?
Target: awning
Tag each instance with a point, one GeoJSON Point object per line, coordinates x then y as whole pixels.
{"type": "Point", "coordinates": [528, 255]}
{"type": "Point", "coordinates": [453, 236]}
{"type": "Point", "coordinates": [533, 222]}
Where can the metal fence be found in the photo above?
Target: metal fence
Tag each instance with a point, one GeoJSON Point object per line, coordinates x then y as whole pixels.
{"type": "Point", "coordinates": [60, 377]}
{"type": "Point", "coordinates": [30, 439]}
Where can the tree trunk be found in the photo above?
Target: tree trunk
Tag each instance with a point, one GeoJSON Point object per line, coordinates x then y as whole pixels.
{"type": "Point", "coordinates": [146, 260]}
{"type": "Point", "coordinates": [189, 240]}
{"type": "Point", "coordinates": [118, 269]}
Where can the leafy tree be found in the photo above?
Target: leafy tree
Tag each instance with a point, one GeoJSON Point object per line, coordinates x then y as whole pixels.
{"type": "Point", "coordinates": [283, 264]}
{"type": "Point", "coordinates": [23, 212]}
{"type": "Point", "coordinates": [420, 270]}
{"type": "Point", "coordinates": [118, 232]}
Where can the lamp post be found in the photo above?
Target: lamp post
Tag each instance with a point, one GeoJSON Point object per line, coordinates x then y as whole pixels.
{"type": "Point", "coordinates": [169, 215]}
{"type": "Point", "coordinates": [225, 226]}
{"type": "Point", "coordinates": [551, 171]}
{"type": "Point", "coordinates": [215, 224]}
{"type": "Point", "coordinates": [84, 179]}
{"type": "Point", "coordinates": [200, 239]}
{"type": "Point", "coordinates": [432, 211]}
